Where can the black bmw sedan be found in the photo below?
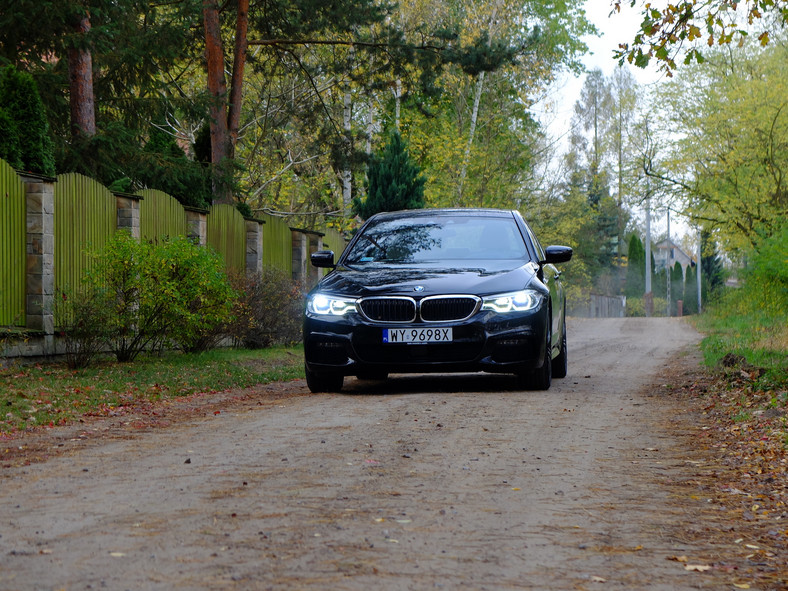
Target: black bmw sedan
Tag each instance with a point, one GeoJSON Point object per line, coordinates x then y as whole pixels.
{"type": "Point", "coordinates": [438, 290]}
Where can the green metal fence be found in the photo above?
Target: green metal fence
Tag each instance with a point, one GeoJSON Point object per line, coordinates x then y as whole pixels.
{"type": "Point", "coordinates": [334, 240]}
{"type": "Point", "coordinates": [13, 229]}
{"type": "Point", "coordinates": [161, 215]}
{"type": "Point", "coordinates": [85, 219]}
{"type": "Point", "coordinates": [226, 233]}
{"type": "Point", "coordinates": [277, 244]}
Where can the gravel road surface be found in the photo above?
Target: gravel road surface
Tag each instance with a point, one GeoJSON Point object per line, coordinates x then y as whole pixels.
{"type": "Point", "coordinates": [419, 482]}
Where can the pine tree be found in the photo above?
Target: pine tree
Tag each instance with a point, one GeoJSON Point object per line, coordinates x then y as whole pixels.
{"type": "Point", "coordinates": [636, 268]}
{"type": "Point", "coordinates": [394, 181]}
{"type": "Point", "coordinates": [19, 97]}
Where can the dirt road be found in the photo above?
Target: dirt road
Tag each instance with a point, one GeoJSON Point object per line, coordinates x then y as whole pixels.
{"type": "Point", "coordinates": [436, 482]}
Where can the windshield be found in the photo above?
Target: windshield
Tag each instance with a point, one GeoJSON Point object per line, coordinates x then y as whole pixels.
{"type": "Point", "coordinates": [441, 239]}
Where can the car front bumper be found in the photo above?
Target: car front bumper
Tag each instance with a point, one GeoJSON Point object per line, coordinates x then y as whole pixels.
{"type": "Point", "coordinates": [487, 341]}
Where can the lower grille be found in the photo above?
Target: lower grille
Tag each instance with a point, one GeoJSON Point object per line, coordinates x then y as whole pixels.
{"type": "Point", "coordinates": [449, 353]}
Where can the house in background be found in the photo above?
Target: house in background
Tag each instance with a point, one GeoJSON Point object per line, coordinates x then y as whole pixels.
{"type": "Point", "coordinates": [667, 253]}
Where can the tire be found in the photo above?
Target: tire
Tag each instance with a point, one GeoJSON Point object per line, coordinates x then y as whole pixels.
{"type": "Point", "coordinates": [323, 382]}
{"type": "Point", "coordinates": [560, 363]}
{"type": "Point", "coordinates": [541, 377]}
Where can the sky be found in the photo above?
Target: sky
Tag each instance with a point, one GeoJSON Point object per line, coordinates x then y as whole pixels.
{"type": "Point", "coordinates": [556, 110]}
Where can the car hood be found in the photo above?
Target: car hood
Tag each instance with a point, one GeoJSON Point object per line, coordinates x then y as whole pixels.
{"type": "Point", "coordinates": [425, 280]}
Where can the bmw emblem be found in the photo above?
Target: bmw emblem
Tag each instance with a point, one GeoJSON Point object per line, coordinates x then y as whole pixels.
{"type": "Point", "coordinates": [419, 288]}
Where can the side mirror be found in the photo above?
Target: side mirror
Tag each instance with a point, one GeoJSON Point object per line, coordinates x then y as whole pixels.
{"type": "Point", "coordinates": [557, 254]}
{"type": "Point", "coordinates": [323, 259]}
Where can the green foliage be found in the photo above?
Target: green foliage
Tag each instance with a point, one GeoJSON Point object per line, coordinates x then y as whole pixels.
{"type": "Point", "coordinates": [727, 126]}
{"type": "Point", "coordinates": [752, 321]}
{"type": "Point", "coordinates": [199, 298]}
{"type": "Point", "coordinates": [9, 140]}
{"type": "Point", "coordinates": [394, 181]}
{"type": "Point", "coordinates": [244, 209]}
{"type": "Point", "coordinates": [768, 270]}
{"type": "Point", "coordinates": [269, 310]}
{"type": "Point", "coordinates": [635, 285]}
{"type": "Point", "coordinates": [114, 157]}
{"type": "Point", "coordinates": [691, 291]}
{"type": "Point", "coordinates": [636, 307]}
{"type": "Point", "coordinates": [81, 320]}
{"type": "Point", "coordinates": [32, 147]}
{"type": "Point", "coordinates": [156, 293]}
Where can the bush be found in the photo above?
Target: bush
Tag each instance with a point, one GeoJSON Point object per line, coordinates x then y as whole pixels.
{"type": "Point", "coordinates": [81, 319]}
{"type": "Point", "coordinates": [157, 294]}
{"type": "Point", "coordinates": [269, 310]}
{"type": "Point", "coordinates": [636, 307]}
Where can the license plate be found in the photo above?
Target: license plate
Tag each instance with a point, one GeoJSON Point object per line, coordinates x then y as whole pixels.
{"type": "Point", "coordinates": [417, 335]}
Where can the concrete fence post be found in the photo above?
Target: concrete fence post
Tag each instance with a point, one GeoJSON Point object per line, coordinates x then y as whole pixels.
{"type": "Point", "coordinates": [128, 216]}
{"type": "Point", "coordinates": [197, 225]}
{"type": "Point", "coordinates": [40, 282]}
{"type": "Point", "coordinates": [254, 246]}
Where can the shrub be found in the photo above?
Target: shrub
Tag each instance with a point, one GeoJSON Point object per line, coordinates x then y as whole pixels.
{"type": "Point", "coordinates": [636, 307]}
{"type": "Point", "coordinates": [269, 310]}
{"type": "Point", "coordinates": [81, 318]}
{"type": "Point", "coordinates": [202, 298]}
{"type": "Point", "coordinates": [173, 291]}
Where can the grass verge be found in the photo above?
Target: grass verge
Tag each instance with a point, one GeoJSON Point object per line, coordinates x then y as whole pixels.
{"type": "Point", "coordinates": [51, 394]}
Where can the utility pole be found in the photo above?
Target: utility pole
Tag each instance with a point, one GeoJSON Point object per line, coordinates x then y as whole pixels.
{"type": "Point", "coordinates": [668, 267]}
{"type": "Point", "coordinates": [648, 297]}
{"type": "Point", "coordinates": [700, 254]}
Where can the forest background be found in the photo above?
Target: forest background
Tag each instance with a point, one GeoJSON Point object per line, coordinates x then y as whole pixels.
{"type": "Point", "coordinates": [282, 107]}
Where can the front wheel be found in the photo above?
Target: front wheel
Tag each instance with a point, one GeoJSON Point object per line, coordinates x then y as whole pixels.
{"type": "Point", "coordinates": [323, 382]}
{"type": "Point", "coordinates": [541, 377]}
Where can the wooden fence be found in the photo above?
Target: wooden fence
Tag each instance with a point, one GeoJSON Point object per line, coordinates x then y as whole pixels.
{"type": "Point", "coordinates": [226, 233]}
{"type": "Point", "coordinates": [160, 215]}
{"type": "Point", "coordinates": [12, 247]}
{"type": "Point", "coordinates": [50, 227]}
{"type": "Point", "coordinates": [85, 220]}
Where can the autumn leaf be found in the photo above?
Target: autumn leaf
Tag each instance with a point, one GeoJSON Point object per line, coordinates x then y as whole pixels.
{"type": "Point", "coordinates": [701, 568]}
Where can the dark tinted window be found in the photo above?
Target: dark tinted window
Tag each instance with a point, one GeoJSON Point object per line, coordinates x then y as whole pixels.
{"type": "Point", "coordinates": [438, 239]}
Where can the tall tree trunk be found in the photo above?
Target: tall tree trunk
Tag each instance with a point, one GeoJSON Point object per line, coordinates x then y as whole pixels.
{"type": "Point", "coordinates": [80, 75]}
{"type": "Point", "coordinates": [467, 156]}
{"type": "Point", "coordinates": [239, 63]}
{"type": "Point", "coordinates": [217, 87]}
{"type": "Point", "coordinates": [347, 114]}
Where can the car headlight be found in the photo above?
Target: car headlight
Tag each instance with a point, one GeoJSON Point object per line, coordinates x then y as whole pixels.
{"type": "Point", "coordinates": [518, 301]}
{"type": "Point", "coordinates": [328, 305]}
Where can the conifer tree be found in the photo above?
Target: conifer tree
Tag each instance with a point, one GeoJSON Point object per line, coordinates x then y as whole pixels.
{"type": "Point", "coordinates": [19, 97]}
{"type": "Point", "coordinates": [636, 268]}
{"type": "Point", "coordinates": [394, 181]}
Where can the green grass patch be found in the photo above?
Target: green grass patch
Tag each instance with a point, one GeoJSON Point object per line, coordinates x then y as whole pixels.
{"type": "Point", "coordinates": [52, 394]}
{"type": "Point", "coordinates": [754, 325]}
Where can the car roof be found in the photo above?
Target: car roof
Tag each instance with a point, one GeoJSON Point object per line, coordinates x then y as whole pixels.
{"type": "Point", "coordinates": [470, 212]}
